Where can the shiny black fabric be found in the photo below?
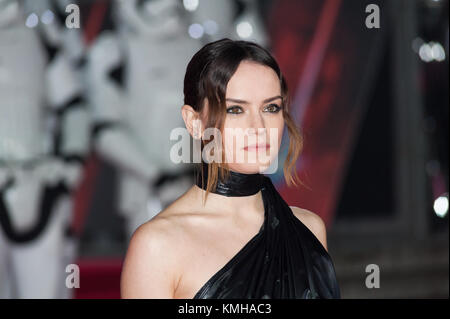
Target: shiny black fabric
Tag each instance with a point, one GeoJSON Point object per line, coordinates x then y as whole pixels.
{"type": "Point", "coordinates": [236, 185]}
{"type": "Point", "coordinates": [284, 260]}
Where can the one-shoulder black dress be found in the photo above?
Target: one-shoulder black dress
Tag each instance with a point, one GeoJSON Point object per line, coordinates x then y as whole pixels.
{"type": "Point", "coordinates": [284, 260]}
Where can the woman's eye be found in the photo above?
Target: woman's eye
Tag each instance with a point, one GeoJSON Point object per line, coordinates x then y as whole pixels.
{"type": "Point", "coordinates": [273, 108]}
{"type": "Point", "coordinates": [234, 110]}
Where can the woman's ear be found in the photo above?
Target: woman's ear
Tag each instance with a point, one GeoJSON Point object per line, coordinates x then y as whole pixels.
{"type": "Point", "coordinates": [192, 121]}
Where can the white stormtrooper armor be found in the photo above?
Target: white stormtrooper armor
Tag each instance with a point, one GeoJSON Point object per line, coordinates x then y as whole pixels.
{"type": "Point", "coordinates": [135, 112]}
{"type": "Point", "coordinates": [43, 138]}
{"type": "Point", "coordinates": [150, 48]}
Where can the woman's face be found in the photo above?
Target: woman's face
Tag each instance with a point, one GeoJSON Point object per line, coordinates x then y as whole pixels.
{"type": "Point", "coordinates": [254, 120]}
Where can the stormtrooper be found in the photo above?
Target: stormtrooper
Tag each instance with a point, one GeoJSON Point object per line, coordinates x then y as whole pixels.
{"type": "Point", "coordinates": [44, 136]}
{"type": "Point", "coordinates": [135, 87]}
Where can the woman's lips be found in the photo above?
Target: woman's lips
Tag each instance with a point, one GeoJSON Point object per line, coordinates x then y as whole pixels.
{"type": "Point", "coordinates": [257, 147]}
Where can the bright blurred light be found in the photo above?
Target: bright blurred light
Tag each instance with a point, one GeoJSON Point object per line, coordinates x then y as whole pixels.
{"type": "Point", "coordinates": [32, 20]}
{"type": "Point", "coordinates": [196, 31]}
{"type": "Point", "coordinates": [441, 205]}
{"type": "Point", "coordinates": [425, 52]}
{"type": "Point", "coordinates": [190, 5]}
{"type": "Point", "coordinates": [432, 51]}
{"type": "Point", "coordinates": [244, 29]}
{"type": "Point", "coordinates": [47, 17]}
{"type": "Point", "coordinates": [437, 51]}
{"type": "Point", "coordinates": [210, 26]}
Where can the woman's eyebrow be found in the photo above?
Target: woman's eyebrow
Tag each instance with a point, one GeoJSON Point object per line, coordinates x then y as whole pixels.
{"type": "Point", "coordinates": [246, 102]}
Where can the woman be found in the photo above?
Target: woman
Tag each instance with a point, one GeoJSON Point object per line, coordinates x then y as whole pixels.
{"type": "Point", "coordinates": [231, 235]}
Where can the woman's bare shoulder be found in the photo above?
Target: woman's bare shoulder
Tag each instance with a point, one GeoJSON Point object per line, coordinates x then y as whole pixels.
{"type": "Point", "coordinates": [166, 230]}
{"type": "Point", "coordinates": [314, 223]}
{"type": "Point", "coordinates": [154, 255]}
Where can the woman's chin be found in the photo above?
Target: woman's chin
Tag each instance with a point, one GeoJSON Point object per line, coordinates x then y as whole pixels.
{"type": "Point", "coordinates": [248, 168]}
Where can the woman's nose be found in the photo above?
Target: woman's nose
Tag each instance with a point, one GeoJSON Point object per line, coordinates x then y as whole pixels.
{"type": "Point", "coordinates": [256, 127]}
{"type": "Point", "coordinates": [256, 123]}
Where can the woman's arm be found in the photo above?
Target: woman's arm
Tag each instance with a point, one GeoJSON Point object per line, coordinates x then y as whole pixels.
{"type": "Point", "coordinates": [149, 269]}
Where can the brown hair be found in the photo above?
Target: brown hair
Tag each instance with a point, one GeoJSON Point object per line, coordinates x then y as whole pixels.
{"type": "Point", "coordinates": [206, 79]}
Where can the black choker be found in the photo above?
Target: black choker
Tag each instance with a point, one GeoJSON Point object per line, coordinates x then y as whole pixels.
{"type": "Point", "coordinates": [237, 184]}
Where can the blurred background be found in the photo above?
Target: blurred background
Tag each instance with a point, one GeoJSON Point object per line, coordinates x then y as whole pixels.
{"type": "Point", "coordinates": [90, 91]}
